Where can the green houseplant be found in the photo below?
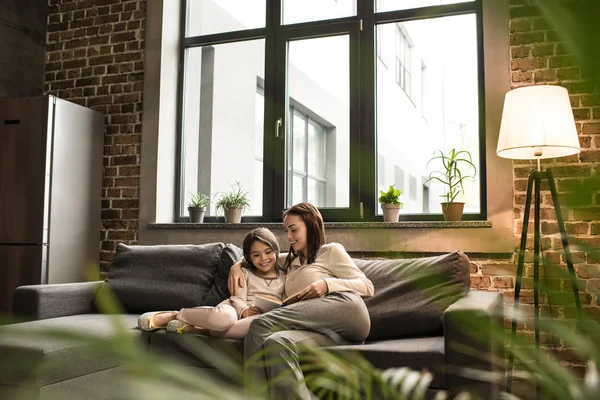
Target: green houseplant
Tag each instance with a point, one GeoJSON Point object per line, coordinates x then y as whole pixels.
{"type": "Point", "coordinates": [456, 166]}
{"type": "Point", "coordinates": [233, 203]}
{"type": "Point", "coordinates": [390, 203]}
{"type": "Point", "coordinates": [197, 206]}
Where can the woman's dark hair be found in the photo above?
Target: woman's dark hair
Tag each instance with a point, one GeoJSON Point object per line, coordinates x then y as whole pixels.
{"type": "Point", "coordinates": [315, 231]}
{"type": "Point", "coordinates": [262, 235]}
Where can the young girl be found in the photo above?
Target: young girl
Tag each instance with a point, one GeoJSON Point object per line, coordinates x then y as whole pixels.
{"type": "Point", "coordinates": [232, 317]}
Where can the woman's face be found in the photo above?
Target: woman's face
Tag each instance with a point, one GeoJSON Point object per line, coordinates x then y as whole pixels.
{"type": "Point", "coordinates": [263, 257]}
{"type": "Point", "coordinates": [295, 232]}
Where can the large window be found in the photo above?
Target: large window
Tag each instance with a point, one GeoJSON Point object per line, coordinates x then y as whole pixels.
{"type": "Point", "coordinates": [329, 104]}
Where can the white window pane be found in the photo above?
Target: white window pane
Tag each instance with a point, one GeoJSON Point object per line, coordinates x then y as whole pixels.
{"type": "Point", "coordinates": [296, 11]}
{"type": "Point", "coordinates": [316, 192]}
{"type": "Point", "coordinates": [406, 139]}
{"type": "Point", "coordinates": [316, 150]}
{"type": "Point", "coordinates": [221, 116]}
{"type": "Point", "coordinates": [217, 16]}
{"type": "Point", "coordinates": [297, 189]}
{"type": "Point", "coordinates": [319, 83]}
{"type": "Point", "coordinates": [392, 5]}
{"type": "Point", "coordinates": [299, 146]}
{"type": "Point", "coordinates": [259, 112]}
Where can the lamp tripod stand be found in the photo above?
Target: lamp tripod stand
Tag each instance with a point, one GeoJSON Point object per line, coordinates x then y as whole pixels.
{"type": "Point", "coordinates": [536, 177]}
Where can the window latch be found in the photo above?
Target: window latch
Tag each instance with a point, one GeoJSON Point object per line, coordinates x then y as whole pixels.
{"type": "Point", "coordinates": [278, 124]}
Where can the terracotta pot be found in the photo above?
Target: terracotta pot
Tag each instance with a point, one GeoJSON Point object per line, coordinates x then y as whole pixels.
{"type": "Point", "coordinates": [391, 212]}
{"type": "Point", "coordinates": [233, 213]}
{"type": "Point", "coordinates": [452, 211]}
{"type": "Point", "coordinates": [197, 214]}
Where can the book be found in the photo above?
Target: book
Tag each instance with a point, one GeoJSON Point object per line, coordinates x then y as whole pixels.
{"type": "Point", "coordinates": [267, 302]}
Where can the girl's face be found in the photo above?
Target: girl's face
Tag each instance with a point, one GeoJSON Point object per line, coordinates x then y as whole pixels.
{"type": "Point", "coordinates": [295, 232]}
{"type": "Point", "coordinates": [263, 257]}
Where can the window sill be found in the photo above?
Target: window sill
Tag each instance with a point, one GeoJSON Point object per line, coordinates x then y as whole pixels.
{"type": "Point", "coordinates": [328, 225]}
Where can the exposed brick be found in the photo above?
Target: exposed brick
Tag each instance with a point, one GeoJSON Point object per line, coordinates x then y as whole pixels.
{"type": "Point", "coordinates": [592, 100]}
{"type": "Point", "coordinates": [568, 73]}
{"type": "Point", "coordinates": [525, 11]}
{"type": "Point", "coordinates": [521, 25]}
{"type": "Point", "coordinates": [480, 282]}
{"type": "Point", "coordinates": [591, 128]}
{"type": "Point", "coordinates": [527, 64]}
{"type": "Point", "coordinates": [544, 75]}
{"type": "Point", "coordinates": [520, 52]}
{"type": "Point", "coordinates": [542, 49]}
{"type": "Point", "coordinates": [561, 61]}
{"type": "Point", "coordinates": [526, 38]}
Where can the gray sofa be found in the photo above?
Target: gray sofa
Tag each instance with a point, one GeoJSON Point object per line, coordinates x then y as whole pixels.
{"type": "Point", "coordinates": [417, 320]}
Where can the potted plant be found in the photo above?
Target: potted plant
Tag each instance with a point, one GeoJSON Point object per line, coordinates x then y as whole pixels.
{"type": "Point", "coordinates": [390, 204]}
{"type": "Point", "coordinates": [197, 206]}
{"type": "Point", "coordinates": [456, 166]}
{"type": "Point", "coordinates": [233, 203]}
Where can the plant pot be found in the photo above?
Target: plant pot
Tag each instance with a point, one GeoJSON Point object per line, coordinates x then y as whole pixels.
{"type": "Point", "coordinates": [233, 213]}
{"type": "Point", "coordinates": [452, 211]}
{"type": "Point", "coordinates": [391, 212]}
{"type": "Point", "coordinates": [197, 214]}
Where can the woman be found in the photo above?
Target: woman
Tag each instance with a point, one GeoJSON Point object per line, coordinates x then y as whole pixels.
{"type": "Point", "coordinates": [330, 312]}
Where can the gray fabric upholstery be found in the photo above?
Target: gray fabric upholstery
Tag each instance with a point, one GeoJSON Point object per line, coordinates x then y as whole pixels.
{"type": "Point", "coordinates": [469, 341]}
{"type": "Point", "coordinates": [170, 277]}
{"type": "Point", "coordinates": [28, 358]}
{"type": "Point", "coordinates": [55, 300]}
{"type": "Point", "coordinates": [412, 294]}
{"type": "Point", "coordinates": [197, 350]}
{"type": "Point", "coordinates": [415, 353]}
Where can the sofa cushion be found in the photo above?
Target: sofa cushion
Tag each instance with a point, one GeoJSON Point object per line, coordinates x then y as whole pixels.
{"type": "Point", "coordinates": [169, 277]}
{"type": "Point", "coordinates": [412, 294]}
{"type": "Point", "coordinates": [31, 358]}
{"type": "Point", "coordinates": [426, 353]}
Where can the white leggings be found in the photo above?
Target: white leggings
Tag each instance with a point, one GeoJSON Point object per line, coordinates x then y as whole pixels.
{"type": "Point", "coordinates": [222, 320]}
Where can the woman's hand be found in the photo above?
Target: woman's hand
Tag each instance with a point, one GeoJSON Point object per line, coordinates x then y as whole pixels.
{"type": "Point", "coordinates": [251, 311]}
{"type": "Point", "coordinates": [235, 279]}
{"type": "Point", "coordinates": [314, 290]}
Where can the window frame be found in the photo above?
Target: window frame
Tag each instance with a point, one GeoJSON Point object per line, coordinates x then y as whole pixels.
{"type": "Point", "coordinates": [363, 164]}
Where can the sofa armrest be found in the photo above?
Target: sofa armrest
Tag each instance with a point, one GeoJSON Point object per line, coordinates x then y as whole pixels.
{"type": "Point", "coordinates": [55, 300]}
{"type": "Point", "coordinates": [470, 342]}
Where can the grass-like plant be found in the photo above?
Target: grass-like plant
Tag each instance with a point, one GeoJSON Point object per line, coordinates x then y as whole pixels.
{"type": "Point", "coordinates": [452, 174]}
{"type": "Point", "coordinates": [199, 200]}
{"type": "Point", "coordinates": [392, 196]}
{"type": "Point", "coordinates": [237, 196]}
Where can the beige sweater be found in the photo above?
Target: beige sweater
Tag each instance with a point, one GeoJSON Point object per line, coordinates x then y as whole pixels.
{"type": "Point", "coordinates": [332, 264]}
{"type": "Point", "coordinates": [254, 285]}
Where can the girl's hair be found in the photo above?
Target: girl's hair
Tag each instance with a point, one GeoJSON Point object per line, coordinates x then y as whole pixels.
{"type": "Point", "coordinates": [262, 235]}
{"type": "Point", "coordinates": [315, 231]}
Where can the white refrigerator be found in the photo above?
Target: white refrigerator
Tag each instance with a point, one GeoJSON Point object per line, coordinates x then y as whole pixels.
{"type": "Point", "coordinates": [50, 192]}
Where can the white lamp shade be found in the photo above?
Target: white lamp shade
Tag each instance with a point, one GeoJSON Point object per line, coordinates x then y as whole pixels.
{"type": "Point", "coordinates": [537, 122]}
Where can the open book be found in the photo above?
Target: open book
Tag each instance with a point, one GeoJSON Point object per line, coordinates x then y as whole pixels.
{"type": "Point", "coordinates": [267, 303]}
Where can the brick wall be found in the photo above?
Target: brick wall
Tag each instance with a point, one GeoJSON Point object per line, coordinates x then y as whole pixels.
{"type": "Point", "coordinates": [95, 57]}
{"type": "Point", "coordinates": [539, 55]}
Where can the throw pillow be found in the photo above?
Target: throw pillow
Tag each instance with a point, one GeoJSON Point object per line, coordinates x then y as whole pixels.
{"type": "Point", "coordinates": [411, 295]}
{"type": "Point", "coordinates": [169, 277]}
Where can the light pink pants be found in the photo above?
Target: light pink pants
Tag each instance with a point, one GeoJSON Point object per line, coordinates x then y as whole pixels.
{"type": "Point", "coordinates": [222, 320]}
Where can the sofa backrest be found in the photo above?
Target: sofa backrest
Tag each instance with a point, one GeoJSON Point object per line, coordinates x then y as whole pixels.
{"type": "Point", "coordinates": [411, 295]}
{"type": "Point", "coordinates": [169, 277]}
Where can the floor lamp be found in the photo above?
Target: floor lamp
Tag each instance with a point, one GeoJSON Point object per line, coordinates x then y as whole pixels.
{"type": "Point", "coordinates": [537, 122]}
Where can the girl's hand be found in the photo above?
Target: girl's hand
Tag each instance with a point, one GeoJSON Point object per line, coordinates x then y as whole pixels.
{"type": "Point", "coordinates": [250, 311]}
{"type": "Point", "coordinates": [235, 279]}
{"type": "Point", "coordinates": [314, 290]}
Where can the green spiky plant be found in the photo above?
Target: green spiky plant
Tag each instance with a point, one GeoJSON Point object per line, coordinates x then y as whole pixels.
{"type": "Point", "coordinates": [237, 195]}
{"type": "Point", "coordinates": [453, 172]}
{"type": "Point", "coordinates": [199, 200]}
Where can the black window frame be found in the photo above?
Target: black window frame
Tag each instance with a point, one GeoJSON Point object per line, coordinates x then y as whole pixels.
{"type": "Point", "coordinates": [363, 158]}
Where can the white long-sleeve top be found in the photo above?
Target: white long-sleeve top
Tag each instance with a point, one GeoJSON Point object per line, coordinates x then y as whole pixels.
{"type": "Point", "coordinates": [256, 285]}
{"type": "Point", "coordinates": [332, 264]}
